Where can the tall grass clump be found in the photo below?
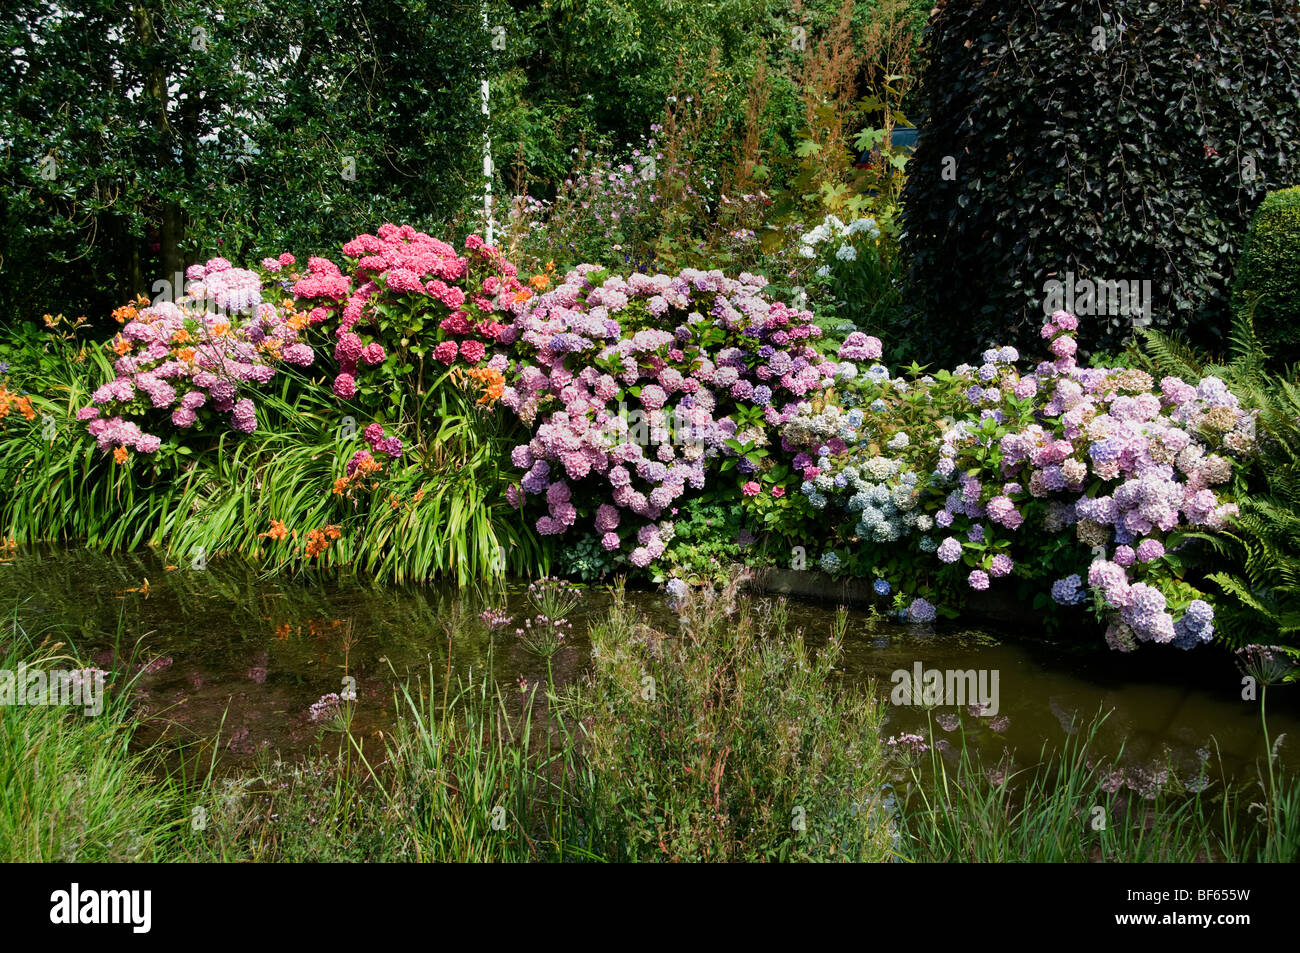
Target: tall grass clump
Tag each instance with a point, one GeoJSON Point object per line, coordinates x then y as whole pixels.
{"type": "Point", "coordinates": [727, 741]}
{"type": "Point", "coordinates": [1069, 807]}
{"type": "Point", "coordinates": [442, 515]}
{"type": "Point", "coordinates": [70, 788]}
{"type": "Point", "coordinates": [730, 740]}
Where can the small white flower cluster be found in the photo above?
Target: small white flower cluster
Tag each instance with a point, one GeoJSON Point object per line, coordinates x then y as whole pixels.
{"type": "Point", "coordinates": [833, 229]}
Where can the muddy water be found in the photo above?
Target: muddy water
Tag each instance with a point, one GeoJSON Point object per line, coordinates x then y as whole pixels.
{"type": "Point", "coordinates": [232, 655]}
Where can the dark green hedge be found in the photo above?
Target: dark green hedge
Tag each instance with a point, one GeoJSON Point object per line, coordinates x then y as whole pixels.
{"type": "Point", "coordinates": [137, 137]}
{"type": "Point", "coordinates": [1140, 160]}
{"type": "Point", "coordinates": [1268, 275]}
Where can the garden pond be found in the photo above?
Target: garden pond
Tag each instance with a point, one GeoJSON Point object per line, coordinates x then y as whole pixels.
{"type": "Point", "coordinates": [229, 653]}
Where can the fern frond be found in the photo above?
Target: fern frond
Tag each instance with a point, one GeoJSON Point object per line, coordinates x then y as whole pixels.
{"type": "Point", "coordinates": [1171, 354]}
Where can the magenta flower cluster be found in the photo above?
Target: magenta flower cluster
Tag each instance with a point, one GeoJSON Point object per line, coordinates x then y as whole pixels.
{"type": "Point", "coordinates": [462, 302]}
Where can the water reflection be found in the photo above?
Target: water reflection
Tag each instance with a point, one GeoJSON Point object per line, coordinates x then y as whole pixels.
{"type": "Point", "coordinates": [225, 650]}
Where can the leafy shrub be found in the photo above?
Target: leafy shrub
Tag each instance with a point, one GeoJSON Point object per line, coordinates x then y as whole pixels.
{"type": "Point", "coordinates": [1120, 140]}
{"type": "Point", "coordinates": [1268, 274]}
{"type": "Point", "coordinates": [642, 402]}
{"type": "Point", "coordinates": [640, 390]}
{"type": "Point", "coordinates": [855, 272]}
{"type": "Point", "coordinates": [336, 114]}
{"type": "Point", "coordinates": [409, 307]}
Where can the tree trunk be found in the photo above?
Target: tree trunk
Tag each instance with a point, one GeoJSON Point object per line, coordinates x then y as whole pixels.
{"type": "Point", "coordinates": [171, 221]}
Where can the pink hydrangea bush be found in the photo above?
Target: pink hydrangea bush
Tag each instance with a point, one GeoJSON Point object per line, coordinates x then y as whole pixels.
{"type": "Point", "coordinates": [177, 363]}
{"type": "Point", "coordinates": [405, 305]}
{"type": "Point", "coordinates": [409, 304]}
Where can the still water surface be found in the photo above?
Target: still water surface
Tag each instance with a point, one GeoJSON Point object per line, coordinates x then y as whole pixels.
{"type": "Point", "coordinates": [245, 656]}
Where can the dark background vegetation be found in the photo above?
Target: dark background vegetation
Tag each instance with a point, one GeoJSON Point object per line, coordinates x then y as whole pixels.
{"type": "Point", "coordinates": [1144, 159]}
{"type": "Point", "coordinates": [181, 129]}
{"type": "Point", "coordinates": [138, 136]}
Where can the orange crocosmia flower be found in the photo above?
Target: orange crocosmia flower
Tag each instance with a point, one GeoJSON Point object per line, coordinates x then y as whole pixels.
{"type": "Point", "coordinates": [278, 531]}
{"type": "Point", "coordinates": [25, 408]}
{"type": "Point", "coordinates": [299, 320]}
{"type": "Point", "coordinates": [316, 543]}
{"type": "Point", "coordinates": [287, 304]}
{"type": "Point", "coordinates": [121, 345]}
{"type": "Point", "coordinates": [141, 301]}
{"type": "Point", "coordinates": [540, 282]}
{"type": "Point", "coordinates": [393, 501]}
{"type": "Point", "coordinates": [120, 455]}
{"type": "Point", "coordinates": [181, 336]}
{"type": "Point", "coordinates": [185, 353]}
{"type": "Point", "coordinates": [340, 486]}
{"type": "Point", "coordinates": [219, 328]}
{"type": "Point", "coordinates": [50, 320]}
{"type": "Point", "coordinates": [123, 314]}
{"type": "Point", "coordinates": [318, 540]}
{"type": "Point", "coordinates": [522, 295]}
{"type": "Point", "coordinates": [282, 631]}
{"type": "Point", "coordinates": [493, 381]}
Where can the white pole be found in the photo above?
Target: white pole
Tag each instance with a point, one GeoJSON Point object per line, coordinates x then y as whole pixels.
{"type": "Point", "coordinates": [487, 150]}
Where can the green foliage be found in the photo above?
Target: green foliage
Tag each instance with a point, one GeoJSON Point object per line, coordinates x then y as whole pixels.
{"type": "Point", "coordinates": [440, 513]}
{"type": "Point", "coordinates": [741, 748]}
{"type": "Point", "coordinates": [729, 742]}
{"type": "Point", "coordinates": [1267, 281]}
{"type": "Point", "coordinates": [598, 73]}
{"type": "Point", "coordinates": [730, 150]}
{"type": "Point", "coordinates": [586, 559]}
{"type": "Point", "coordinates": [723, 739]}
{"type": "Point", "coordinates": [705, 543]}
{"type": "Point", "coordinates": [855, 281]}
{"type": "Point", "coordinates": [143, 136]}
{"type": "Point", "coordinates": [71, 788]}
{"type": "Point", "coordinates": [1044, 153]}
